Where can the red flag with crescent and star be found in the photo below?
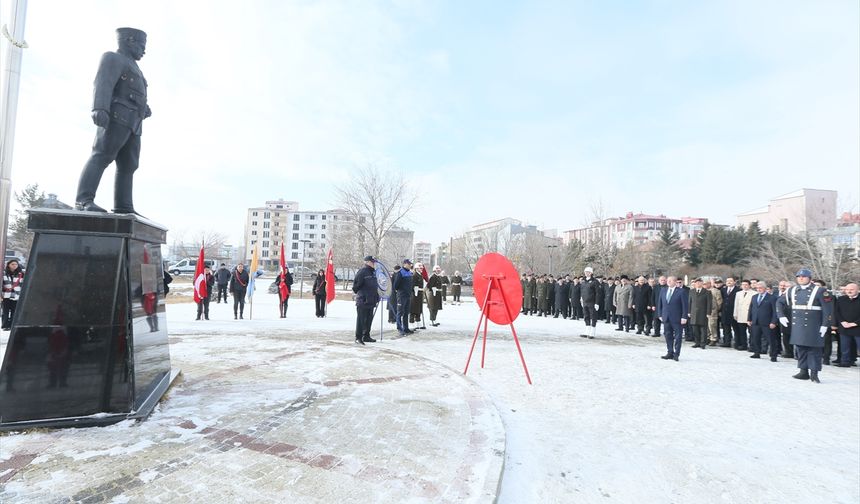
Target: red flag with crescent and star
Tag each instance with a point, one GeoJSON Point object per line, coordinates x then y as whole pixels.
{"type": "Point", "coordinates": [329, 278]}
{"type": "Point", "coordinates": [200, 286]}
{"type": "Point", "coordinates": [285, 290]}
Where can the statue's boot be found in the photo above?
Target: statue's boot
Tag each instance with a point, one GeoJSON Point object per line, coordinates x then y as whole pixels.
{"type": "Point", "coordinates": [88, 206]}
{"type": "Point", "coordinates": [122, 199]}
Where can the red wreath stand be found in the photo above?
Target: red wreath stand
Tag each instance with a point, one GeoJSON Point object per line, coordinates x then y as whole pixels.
{"type": "Point", "coordinates": [498, 290]}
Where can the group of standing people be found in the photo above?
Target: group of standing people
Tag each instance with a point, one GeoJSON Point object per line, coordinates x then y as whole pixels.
{"type": "Point", "coordinates": [795, 321]}
{"type": "Point", "coordinates": [236, 283]}
{"type": "Point", "coordinates": [412, 288]}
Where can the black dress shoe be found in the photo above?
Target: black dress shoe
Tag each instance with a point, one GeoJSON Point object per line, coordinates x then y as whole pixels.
{"type": "Point", "coordinates": [368, 339]}
{"type": "Point", "coordinates": [755, 356]}
{"type": "Point", "coordinates": [359, 342]}
{"type": "Point", "coordinates": [619, 329]}
{"type": "Point", "coordinates": [89, 206]}
{"type": "Point", "coordinates": [773, 359]}
{"type": "Point", "coordinates": [839, 364]}
{"type": "Point", "coordinates": [802, 375]}
{"type": "Point", "coordinates": [676, 358]}
{"type": "Point", "coordinates": [696, 345]}
{"type": "Point", "coordinates": [826, 362]}
{"type": "Point", "coordinates": [813, 375]}
{"type": "Point", "coordinates": [666, 357]}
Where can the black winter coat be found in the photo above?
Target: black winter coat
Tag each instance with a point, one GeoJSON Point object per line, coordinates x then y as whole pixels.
{"type": "Point", "coordinates": [641, 297]}
{"type": "Point", "coordinates": [319, 285]}
{"type": "Point", "coordinates": [590, 291]}
{"type": "Point", "coordinates": [365, 288]}
{"type": "Point", "coordinates": [239, 283]}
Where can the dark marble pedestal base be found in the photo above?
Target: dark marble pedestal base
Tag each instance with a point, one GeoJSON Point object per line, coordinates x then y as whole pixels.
{"type": "Point", "coordinates": [88, 344]}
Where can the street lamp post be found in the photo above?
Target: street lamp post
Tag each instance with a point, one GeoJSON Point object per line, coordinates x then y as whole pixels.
{"type": "Point", "coordinates": [550, 247]}
{"type": "Point", "coordinates": [302, 269]}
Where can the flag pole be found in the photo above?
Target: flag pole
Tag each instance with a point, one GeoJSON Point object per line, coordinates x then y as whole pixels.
{"type": "Point", "coordinates": [11, 79]}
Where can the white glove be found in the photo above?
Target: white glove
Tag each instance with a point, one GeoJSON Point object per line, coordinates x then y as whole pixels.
{"type": "Point", "coordinates": [597, 307]}
{"type": "Point", "coordinates": [416, 290]}
{"type": "Point", "coordinates": [783, 321]}
{"type": "Point", "coordinates": [823, 331]}
{"type": "Point", "coordinates": [434, 290]}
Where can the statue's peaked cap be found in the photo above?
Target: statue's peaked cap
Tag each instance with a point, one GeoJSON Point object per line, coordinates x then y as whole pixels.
{"type": "Point", "coordinates": [133, 33]}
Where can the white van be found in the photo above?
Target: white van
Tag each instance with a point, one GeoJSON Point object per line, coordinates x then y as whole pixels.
{"type": "Point", "coordinates": [188, 265]}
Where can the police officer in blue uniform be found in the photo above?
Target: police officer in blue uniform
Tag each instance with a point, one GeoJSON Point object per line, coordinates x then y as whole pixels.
{"type": "Point", "coordinates": [809, 313]}
{"type": "Point", "coordinates": [119, 108]}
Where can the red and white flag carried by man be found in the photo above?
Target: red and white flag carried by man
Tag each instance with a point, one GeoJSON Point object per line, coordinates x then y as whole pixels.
{"type": "Point", "coordinates": [329, 278]}
{"type": "Point", "coordinates": [282, 285]}
{"type": "Point", "coordinates": [200, 286]}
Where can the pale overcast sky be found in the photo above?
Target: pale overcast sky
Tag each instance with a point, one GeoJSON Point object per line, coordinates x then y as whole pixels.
{"type": "Point", "coordinates": [531, 110]}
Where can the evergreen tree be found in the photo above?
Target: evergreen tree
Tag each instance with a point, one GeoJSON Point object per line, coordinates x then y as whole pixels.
{"type": "Point", "coordinates": [666, 254]}
{"type": "Point", "coordinates": [754, 239]}
{"type": "Point", "coordinates": [19, 237]}
{"type": "Point", "coordinates": [694, 255]}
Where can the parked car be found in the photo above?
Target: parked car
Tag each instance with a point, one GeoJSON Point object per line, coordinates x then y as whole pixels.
{"type": "Point", "coordinates": [467, 280]}
{"type": "Point", "coordinates": [188, 265]}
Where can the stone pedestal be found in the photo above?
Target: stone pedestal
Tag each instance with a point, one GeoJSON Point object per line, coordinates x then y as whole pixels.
{"type": "Point", "coordinates": [88, 344]}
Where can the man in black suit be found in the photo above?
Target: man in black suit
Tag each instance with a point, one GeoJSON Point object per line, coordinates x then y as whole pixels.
{"type": "Point", "coordinates": [729, 292]}
{"type": "Point", "coordinates": [785, 331]}
{"type": "Point", "coordinates": [641, 301]}
{"type": "Point", "coordinates": [590, 294]}
{"type": "Point", "coordinates": [656, 292]}
{"type": "Point", "coordinates": [762, 321]}
{"type": "Point", "coordinates": [576, 299]}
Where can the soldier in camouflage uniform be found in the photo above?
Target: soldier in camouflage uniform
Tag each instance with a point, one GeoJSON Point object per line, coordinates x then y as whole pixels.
{"type": "Point", "coordinates": [528, 293]}
{"type": "Point", "coordinates": [808, 310]}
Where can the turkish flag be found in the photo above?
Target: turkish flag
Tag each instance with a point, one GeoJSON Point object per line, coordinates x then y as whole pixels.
{"type": "Point", "coordinates": [282, 286]}
{"type": "Point", "coordinates": [200, 286]}
{"type": "Point", "coordinates": [329, 278]}
{"type": "Point", "coordinates": [424, 274]}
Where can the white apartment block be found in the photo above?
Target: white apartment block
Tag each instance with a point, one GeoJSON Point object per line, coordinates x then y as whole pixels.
{"type": "Point", "coordinates": [796, 212]}
{"type": "Point", "coordinates": [306, 235]}
{"type": "Point", "coordinates": [422, 253]}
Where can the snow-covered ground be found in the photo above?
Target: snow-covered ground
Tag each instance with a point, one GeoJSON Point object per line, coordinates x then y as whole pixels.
{"type": "Point", "coordinates": [607, 419]}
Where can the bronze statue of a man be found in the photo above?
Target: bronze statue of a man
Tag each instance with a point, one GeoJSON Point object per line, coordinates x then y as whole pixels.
{"type": "Point", "coordinates": [119, 108]}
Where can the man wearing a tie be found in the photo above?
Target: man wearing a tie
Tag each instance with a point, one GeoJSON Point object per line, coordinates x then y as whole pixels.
{"type": "Point", "coordinates": [762, 322]}
{"type": "Point", "coordinates": [672, 308]}
{"type": "Point", "coordinates": [742, 313]}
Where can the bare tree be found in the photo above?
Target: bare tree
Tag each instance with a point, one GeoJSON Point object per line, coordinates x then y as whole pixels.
{"type": "Point", "coordinates": [348, 247]}
{"type": "Point", "coordinates": [377, 202]}
{"type": "Point", "coordinates": [599, 251]}
{"type": "Point", "coordinates": [572, 257]}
